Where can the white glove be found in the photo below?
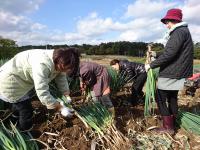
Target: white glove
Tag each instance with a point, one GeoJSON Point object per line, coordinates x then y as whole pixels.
{"type": "Point", "coordinates": [66, 112]}
{"type": "Point", "coordinates": [62, 103]}
{"type": "Point", "coordinates": [147, 67]}
{"type": "Point", "coordinates": [68, 99]}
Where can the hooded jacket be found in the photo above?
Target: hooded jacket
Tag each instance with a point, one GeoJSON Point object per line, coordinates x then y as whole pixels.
{"type": "Point", "coordinates": [31, 69]}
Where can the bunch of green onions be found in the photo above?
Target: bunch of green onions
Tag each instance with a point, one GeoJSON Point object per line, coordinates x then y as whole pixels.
{"type": "Point", "coordinates": [101, 121]}
{"type": "Point", "coordinates": [150, 90]}
{"type": "Point", "coordinates": [189, 121]}
{"type": "Point", "coordinates": [118, 80]}
{"type": "Point", "coordinates": [14, 140]}
{"type": "Point", "coordinates": [57, 94]}
{"type": "Point", "coordinates": [96, 115]}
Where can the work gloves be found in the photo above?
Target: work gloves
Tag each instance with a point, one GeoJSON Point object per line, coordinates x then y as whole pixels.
{"type": "Point", "coordinates": [66, 111]}
{"type": "Point", "coordinates": [68, 99]}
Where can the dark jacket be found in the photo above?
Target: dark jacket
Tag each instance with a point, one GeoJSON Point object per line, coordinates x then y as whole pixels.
{"type": "Point", "coordinates": [176, 61]}
{"type": "Point", "coordinates": [89, 71]}
{"type": "Point", "coordinates": [132, 69]}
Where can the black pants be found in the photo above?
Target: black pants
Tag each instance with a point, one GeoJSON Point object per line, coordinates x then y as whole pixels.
{"type": "Point", "coordinates": [167, 102]}
{"type": "Point", "coordinates": [24, 111]}
{"type": "Point", "coordinates": [138, 85]}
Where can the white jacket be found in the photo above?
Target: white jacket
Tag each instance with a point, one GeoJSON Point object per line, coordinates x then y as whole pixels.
{"type": "Point", "coordinates": [28, 69]}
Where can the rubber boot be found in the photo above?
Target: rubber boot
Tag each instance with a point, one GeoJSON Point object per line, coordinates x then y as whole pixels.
{"type": "Point", "coordinates": [168, 125]}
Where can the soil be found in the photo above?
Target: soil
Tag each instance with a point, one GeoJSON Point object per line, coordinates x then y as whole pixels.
{"type": "Point", "coordinates": [64, 133]}
{"type": "Point", "coordinates": [55, 132]}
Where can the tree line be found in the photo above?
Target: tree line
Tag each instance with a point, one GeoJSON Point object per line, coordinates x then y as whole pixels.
{"type": "Point", "coordinates": [8, 48]}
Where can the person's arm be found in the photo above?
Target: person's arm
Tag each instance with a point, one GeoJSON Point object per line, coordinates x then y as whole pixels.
{"type": "Point", "coordinates": [82, 84]}
{"type": "Point", "coordinates": [171, 50]}
{"type": "Point", "coordinates": [41, 82]}
{"type": "Point", "coordinates": [62, 84]}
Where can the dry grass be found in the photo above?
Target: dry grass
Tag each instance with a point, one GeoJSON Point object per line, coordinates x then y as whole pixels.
{"type": "Point", "coordinates": [196, 61]}
{"type": "Point", "coordinates": [105, 59]}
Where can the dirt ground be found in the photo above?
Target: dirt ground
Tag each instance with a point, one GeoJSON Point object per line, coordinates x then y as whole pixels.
{"type": "Point", "coordinates": [52, 131]}
{"type": "Point", "coordinates": [64, 133]}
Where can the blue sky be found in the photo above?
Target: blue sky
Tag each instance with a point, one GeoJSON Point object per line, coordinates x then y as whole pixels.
{"type": "Point", "coordinates": [91, 21]}
{"type": "Point", "coordinates": [65, 13]}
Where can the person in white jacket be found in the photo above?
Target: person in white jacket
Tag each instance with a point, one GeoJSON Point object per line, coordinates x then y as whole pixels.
{"type": "Point", "coordinates": [33, 70]}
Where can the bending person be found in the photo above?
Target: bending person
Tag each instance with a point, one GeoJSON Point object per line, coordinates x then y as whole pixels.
{"type": "Point", "coordinates": [33, 70]}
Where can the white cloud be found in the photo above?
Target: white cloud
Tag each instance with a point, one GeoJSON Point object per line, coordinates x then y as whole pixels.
{"type": "Point", "coordinates": [150, 8]}
{"type": "Point", "coordinates": [15, 25]}
{"type": "Point", "coordinates": [20, 6]}
{"type": "Point", "coordinates": [191, 11]}
{"type": "Point", "coordinates": [195, 31]}
{"type": "Point", "coordinates": [93, 25]}
{"type": "Point", "coordinates": [140, 22]}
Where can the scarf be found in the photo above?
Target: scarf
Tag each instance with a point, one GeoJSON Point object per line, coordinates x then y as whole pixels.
{"type": "Point", "coordinates": [167, 34]}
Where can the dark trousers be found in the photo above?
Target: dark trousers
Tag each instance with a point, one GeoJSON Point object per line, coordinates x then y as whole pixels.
{"type": "Point", "coordinates": [138, 85]}
{"type": "Point", "coordinates": [167, 102]}
{"type": "Point", "coordinates": [24, 111]}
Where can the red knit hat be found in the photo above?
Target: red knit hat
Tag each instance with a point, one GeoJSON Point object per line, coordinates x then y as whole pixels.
{"type": "Point", "coordinates": [173, 14]}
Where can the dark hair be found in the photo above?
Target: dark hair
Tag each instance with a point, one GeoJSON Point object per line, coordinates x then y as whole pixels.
{"type": "Point", "coordinates": [114, 62]}
{"type": "Point", "coordinates": [67, 57]}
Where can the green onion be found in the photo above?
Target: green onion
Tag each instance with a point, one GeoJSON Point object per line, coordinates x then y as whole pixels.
{"type": "Point", "coordinates": [150, 103]}
{"type": "Point", "coordinates": [12, 139]}
{"type": "Point", "coordinates": [189, 121]}
{"type": "Point", "coordinates": [118, 80]}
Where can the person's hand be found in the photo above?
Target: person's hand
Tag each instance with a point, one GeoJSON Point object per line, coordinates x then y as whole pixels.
{"type": "Point", "coordinates": [66, 112]}
{"type": "Point", "coordinates": [68, 99]}
{"type": "Point", "coordinates": [151, 53]}
{"type": "Point", "coordinates": [82, 86]}
{"type": "Point", "coordinates": [57, 106]}
{"type": "Point", "coordinates": [147, 67]}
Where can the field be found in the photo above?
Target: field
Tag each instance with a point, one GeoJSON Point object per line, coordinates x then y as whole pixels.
{"type": "Point", "coordinates": [53, 131]}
